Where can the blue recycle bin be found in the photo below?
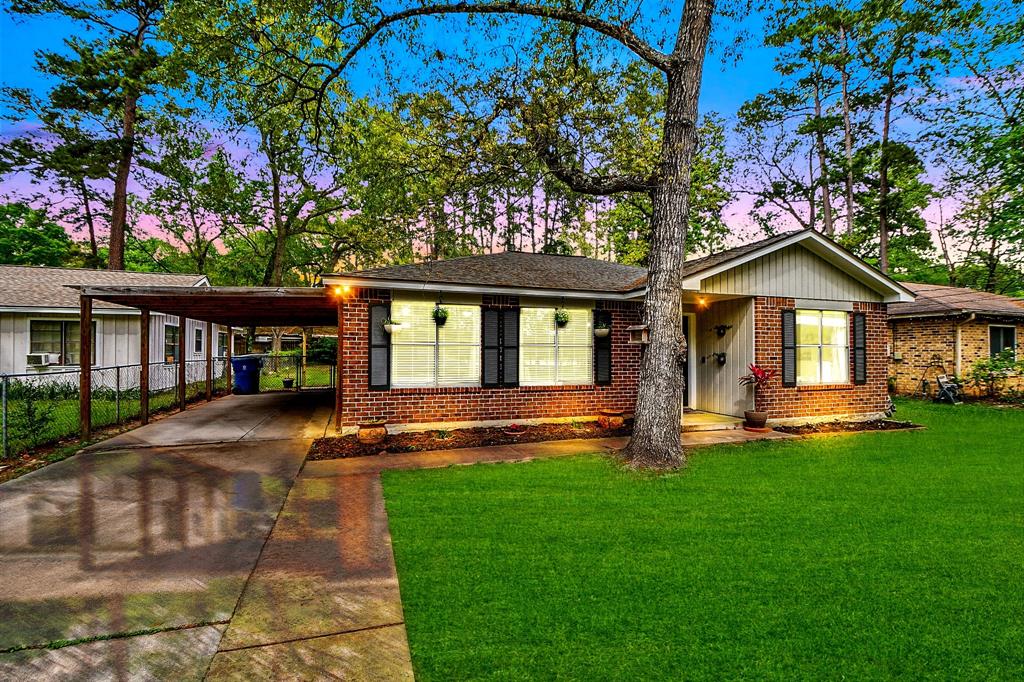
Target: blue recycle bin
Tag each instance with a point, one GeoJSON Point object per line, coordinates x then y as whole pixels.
{"type": "Point", "coordinates": [246, 369]}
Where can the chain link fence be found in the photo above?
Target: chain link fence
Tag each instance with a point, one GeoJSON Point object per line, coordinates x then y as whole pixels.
{"type": "Point", "coordinates": [42, 408]}
{"type": "Point", "coordinates": [295, 372]}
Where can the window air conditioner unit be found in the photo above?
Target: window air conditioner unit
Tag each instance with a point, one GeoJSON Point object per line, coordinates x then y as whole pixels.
{"type": "Point", "coordinates": [43, 359]}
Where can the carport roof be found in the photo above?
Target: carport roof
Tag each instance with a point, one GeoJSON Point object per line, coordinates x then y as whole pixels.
{"type": "Point", "coordinates": [233, 306]}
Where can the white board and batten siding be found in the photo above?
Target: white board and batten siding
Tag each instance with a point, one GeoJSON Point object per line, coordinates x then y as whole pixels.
{"type": "Point", "coordinates": [792, 272]}
{"type": "Point", "coordinates": [118, 341]}
{"type": "Point", "coordinates": [717, 387]}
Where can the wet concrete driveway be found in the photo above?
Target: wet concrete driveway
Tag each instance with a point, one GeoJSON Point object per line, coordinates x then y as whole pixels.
{"type": "Point", "coordinates": [130, 561]}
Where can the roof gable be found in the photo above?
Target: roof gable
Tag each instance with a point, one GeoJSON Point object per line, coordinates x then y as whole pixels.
{"type": "Point", "coordinates": [888, 289]}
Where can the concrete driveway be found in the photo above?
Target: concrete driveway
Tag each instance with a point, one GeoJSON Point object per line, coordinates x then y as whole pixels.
{"type": "Point", "coordinates": [130, 560]}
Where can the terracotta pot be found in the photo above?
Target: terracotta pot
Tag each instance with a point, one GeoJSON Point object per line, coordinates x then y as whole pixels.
{"type": "Point", "coordinates": [372, 432]}
{"type": "Point", "coordinates": [610, 419]}
{"type": "Point", "coordinates": [754, 419]}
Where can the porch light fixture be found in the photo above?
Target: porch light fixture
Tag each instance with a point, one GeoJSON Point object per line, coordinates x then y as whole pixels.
{"type": "Point", "coordinates": [702, 302]}
{"type": "Point", "coordinates": [342, 290]}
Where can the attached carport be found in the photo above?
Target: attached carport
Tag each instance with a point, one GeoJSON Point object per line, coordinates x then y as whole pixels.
{"type": "Point", "coordinates": [226, 306]}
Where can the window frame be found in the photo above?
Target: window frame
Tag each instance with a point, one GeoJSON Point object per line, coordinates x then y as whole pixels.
{"type": "Point", "coordinates": [177, 343]}
{"type": "Point", "coordinates": [223, 346]}
{"type": "Point", "coordinates": [63, 352]}
{"type": "Point", "coordinates": [845, 348]}
{"type": "Point", "coordinates": [1013, 346]}
{"type": "Point", "coordinates": [524, 345]}
{"type": "Point", "coordinates": [474, 349]}
{"type": "Point", "coordinates": [198, 341]}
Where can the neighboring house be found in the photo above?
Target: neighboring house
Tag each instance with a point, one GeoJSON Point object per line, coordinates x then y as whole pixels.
{"type": "Point", "coordinates": [946, 330]}
{"type": "Point", "coordinates": [40, 332]}
{"type": "Point", "coordinates": [796, 303]}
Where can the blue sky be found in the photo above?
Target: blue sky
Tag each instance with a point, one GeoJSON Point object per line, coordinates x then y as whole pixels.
{"type": "Point", "coordinates": [726, 85]}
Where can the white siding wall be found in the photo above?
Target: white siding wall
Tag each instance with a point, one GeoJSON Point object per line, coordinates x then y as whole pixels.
{"type": "Point", "coordinates": [717, 388]}
{"type": "Point", "coordinates": [118, 340]}
{"type": "Point", "coordinates": [793, 272]}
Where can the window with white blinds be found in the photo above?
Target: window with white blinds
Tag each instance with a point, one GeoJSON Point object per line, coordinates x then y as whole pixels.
{"type": "Point", "coordinates": [424, 354]}
{"type": "Point", "coordinates": [551, 355]}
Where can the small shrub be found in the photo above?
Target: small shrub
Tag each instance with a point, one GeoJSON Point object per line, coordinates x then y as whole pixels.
{"type": "Point", "coordinates": [991, 374]}
{"type": "Point", "coordinates": [443, 434]}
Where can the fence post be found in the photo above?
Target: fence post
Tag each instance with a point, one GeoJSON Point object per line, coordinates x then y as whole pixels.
{"type": "Point", "coordinates": [85, 369]}
{"type": "Point", "coordinates": [182, 347]}
{"type": "Point", "coordinates": [4, 410]}
{"type": "Point", "coordinates": [117, 394]}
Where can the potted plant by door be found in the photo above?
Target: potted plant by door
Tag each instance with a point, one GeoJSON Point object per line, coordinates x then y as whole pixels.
{"type": "Point", "coordinates": [389, 325]}
{"type": "Point", "coordinates": [602, 329]}
{"type": "Point", "coordinates": [759, 378]}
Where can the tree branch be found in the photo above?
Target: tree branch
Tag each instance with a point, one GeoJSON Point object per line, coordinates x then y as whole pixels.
{"type": "Point", "coordinates": [620, 33]}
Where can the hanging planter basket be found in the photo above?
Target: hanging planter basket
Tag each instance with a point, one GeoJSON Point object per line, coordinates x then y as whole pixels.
{"type": "Point", "coordinates": [390, 326]}
{"type": "Point", "coordinates": [440, 315]}
{"type": "Point", "coordinates": [561, 317]}
{"type": "Point", "coordinates": [602, 331]}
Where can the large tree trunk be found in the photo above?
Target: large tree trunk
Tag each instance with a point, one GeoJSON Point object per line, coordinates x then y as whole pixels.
{"type": "Point", "coordinates": [657, 429]}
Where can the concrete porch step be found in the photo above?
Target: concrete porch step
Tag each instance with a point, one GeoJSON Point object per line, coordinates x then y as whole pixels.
{"type": "Point", "coordinates": [706, 421]}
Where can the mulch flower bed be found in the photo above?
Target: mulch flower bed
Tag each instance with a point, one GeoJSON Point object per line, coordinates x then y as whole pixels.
{"type": "Point", "coordinates": [417, 441]}
{"type": "Point", "coordinates": [847, 427]}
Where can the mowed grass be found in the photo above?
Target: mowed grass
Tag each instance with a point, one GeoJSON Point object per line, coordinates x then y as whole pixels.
{"type": "Point", "coordinates": [874, 556]}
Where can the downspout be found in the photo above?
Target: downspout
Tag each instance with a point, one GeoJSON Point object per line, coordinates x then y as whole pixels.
{"type": "Point", "coordinates": [959, 344]}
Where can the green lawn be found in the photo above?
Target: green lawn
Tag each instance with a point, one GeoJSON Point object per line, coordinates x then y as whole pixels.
{"type": "Point", "coordinates": [870, 556]}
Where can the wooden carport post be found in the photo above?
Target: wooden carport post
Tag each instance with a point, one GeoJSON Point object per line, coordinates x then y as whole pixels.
{"type": "Point", "coordinates": [144, 368]}
{"type": "Point", "coordinates": [85, 368]}
{"type": "Point", "coordinates": [181, 363]}
{"type": "Point", "coordinates": [209, 361]}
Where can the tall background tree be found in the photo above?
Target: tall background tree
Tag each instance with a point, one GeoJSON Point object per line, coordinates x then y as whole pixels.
{"type": "Point", "coordinates": [101, 84]}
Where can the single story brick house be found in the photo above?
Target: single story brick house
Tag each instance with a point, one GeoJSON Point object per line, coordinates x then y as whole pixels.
{"type": "Point", "coordinates": [523, 336]}
{"type": "Point", "coordinates": [945, 330]}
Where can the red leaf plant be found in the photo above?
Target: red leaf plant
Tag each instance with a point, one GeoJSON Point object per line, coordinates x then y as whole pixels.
{"type": "Point", "coordinates": [759, 377]}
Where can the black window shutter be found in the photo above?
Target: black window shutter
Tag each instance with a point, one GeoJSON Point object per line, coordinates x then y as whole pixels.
{"type": "Point", "coordinates": [789, 348]}
{"type": "Point", "coordinates": [860, 348]}
{"type": "Point", "coordinates": [603, 351]}
{"type": "Point", "coordinates": [380, 349]}
{"type": "Point", "coordinates": [510, 347]}
{"type": "Point", "coordinates": [491, 348]}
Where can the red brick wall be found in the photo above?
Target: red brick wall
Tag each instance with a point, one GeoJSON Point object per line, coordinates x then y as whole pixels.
{"type": "Point", "coordinates": [410, 405]}
{"type": "Point", "coordinates": [819, 401]}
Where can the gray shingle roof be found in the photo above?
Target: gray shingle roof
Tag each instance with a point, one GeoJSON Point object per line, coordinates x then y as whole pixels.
{"type": "Point", "coordinates": [518, 270]}
{"type": "Point", "coordinates": [543, 271]}
{"type": "Point", "coordinates": [935, 299]}
{"type": "Point", "coordinates": [23, 286]}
